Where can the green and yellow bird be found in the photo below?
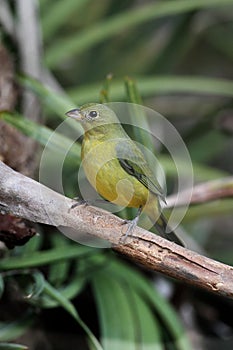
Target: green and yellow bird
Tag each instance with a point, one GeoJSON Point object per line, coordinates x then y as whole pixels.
{"type": "Point", "coordinates": [117, 168]}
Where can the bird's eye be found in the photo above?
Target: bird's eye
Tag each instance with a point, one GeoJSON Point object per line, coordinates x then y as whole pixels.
{"type": "Point", "coordinates": [93, 114]}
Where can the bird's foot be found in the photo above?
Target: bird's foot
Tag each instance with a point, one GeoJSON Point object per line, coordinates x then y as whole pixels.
{"type": "Point", "coordinates": [131, 226]}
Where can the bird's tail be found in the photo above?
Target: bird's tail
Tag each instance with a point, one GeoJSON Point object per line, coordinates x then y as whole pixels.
{"type": "Point", "coordinates": [153, 210]}
{"type": "Point", "coordinates": [165, 231]}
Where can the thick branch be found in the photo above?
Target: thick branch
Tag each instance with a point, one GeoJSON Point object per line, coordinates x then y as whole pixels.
{"type": "Point", "coordinates": [27, 198]}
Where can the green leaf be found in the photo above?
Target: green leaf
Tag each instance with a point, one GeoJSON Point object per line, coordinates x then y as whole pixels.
{"type": "Point", "coordinates": [151, 86]}
{"type": "Point", "coordinates": [8, 346]}
{"type": "Point", "coordinates": [127, 322]}
{"type": "Point", "coordinates": [68, 306]}
{"type": "Point", "coordinates": [63, 301]}
{"type": "Point", "coordinates": [60, 144]}
{"type": "Point", "coordinates": [31, 283]}
{"type": "Point", "coordinates": [116, 285]}
{"type": "Point", "coordinates": [65, 48]}
{"type": "Point", "coordinates": [125, 280]}
{"type": "Point", "coordinates": [2, 285]}
{"type": "Point", "coordinates": [53, 140]}
{"type": "Point", "coordinates": [70, 290]}
{"type": "Point", "coordinates": [13, 330]}
{"type": "Point", "coordinates": [33, 286]}
{"type": "Point", "coordinates": [45, 257]}
{"type": "Point", "coordinates": [150, 330]}
{"type": "Point", "coordinates": [58, 272]}
{"type": "Point", "coordinates": [137, 114]}
{"type": "Point", "coordinates": [39, 283]}
{"type": "Point", "coordinates": [28, 127]}
{"type": "Point", "coordinates": [132, 91]}
{"type": "Point", "coordinates": [104, 93]}
{"type": "Point", "coordinates": [33, 245]}
{"type": "Point", "coordinates": [116, 317]}
{"type": "Point", "coordinates": [58, 103]}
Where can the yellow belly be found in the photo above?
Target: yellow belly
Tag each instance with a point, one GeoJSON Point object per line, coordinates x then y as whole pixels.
{"type": "Point", "coordinates": [109, 179]}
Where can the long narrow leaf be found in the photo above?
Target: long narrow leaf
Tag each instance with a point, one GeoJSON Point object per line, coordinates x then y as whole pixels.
{"type": "Point", "coordinates": [2, 285]}
{"type": "Point", "coordinates": [12, 330]}
{"type": "Point", "coordinates": [150, 330]}
{"type": "Point", "coordinates": [58, 103]}
{"type": "Point", "coordinates": [68, 306]}
{"type": "Point", "coordinates": [65, 303]}
{"type": "Point", "coordinates": [8, 346]}
{"type": "Point", "coordinates": [69, 291]}
{"type": "Point", "coordinates": [45, 257]}
{"type": "Point", "coordinates": [116, 317]}
{"type": "Point", "coordinates": [33, 245]}
{"type": "Point", "coordinates": [150, 86]}
{"type": "Point", "coordinates": [45, 136]}
{"type": "Point", "coordinates": [35, 288]}
{"type": "Point", "coordinates": [58, 272]}
{"type": "Point", "coordinates": [128, 19]}
{"type": "Point", "coordinates": [138, 115]}
{"type": "Point", "coordinates": [133, 325]}
{"type": "Point", "coordinates": [147, 86]}
{"type": "Point", "coordinates": [121, 272]}
{"type": "Point", "coordinates": [61, 143]}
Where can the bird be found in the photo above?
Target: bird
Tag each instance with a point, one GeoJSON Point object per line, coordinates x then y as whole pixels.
{"type": "Point", "coordinates": [117, 169]}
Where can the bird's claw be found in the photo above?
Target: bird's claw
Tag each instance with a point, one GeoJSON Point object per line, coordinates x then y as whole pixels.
{"type": "Point", "coordinates": [131, 226]}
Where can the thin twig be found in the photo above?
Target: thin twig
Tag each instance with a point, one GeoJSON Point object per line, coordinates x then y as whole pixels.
{"type": "Point", "coordinates": [27, 198]}
{"type": "Point", "coordinates": [204, 192]}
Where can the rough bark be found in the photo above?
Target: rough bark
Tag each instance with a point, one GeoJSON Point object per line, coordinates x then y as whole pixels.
{"type": "Point", "coordinates": [31, 200]}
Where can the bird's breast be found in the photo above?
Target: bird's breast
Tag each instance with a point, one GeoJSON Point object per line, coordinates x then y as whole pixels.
{"type": "Point", "coordinates": [109, 179]}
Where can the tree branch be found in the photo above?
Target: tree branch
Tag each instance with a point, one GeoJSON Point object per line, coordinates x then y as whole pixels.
{"type": "Point", "coordinates": [204, 192]}
{"type": "Point", "coordinates": [31, 200]}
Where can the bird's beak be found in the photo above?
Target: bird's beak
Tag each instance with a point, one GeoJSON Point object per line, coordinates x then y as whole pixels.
{"type": "Point", "coordinates": [75, 114]}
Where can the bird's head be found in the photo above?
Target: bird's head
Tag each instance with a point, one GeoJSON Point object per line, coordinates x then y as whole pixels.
{"type": "Point", "coordinates": [93, 115]}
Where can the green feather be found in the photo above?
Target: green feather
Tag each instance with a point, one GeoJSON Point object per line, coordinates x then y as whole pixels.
{"type": "Point", "coordinates": [133, 162]}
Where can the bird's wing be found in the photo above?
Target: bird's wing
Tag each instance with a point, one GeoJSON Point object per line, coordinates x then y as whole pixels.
{"type": "Point", "coordinates": [133, 162]}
